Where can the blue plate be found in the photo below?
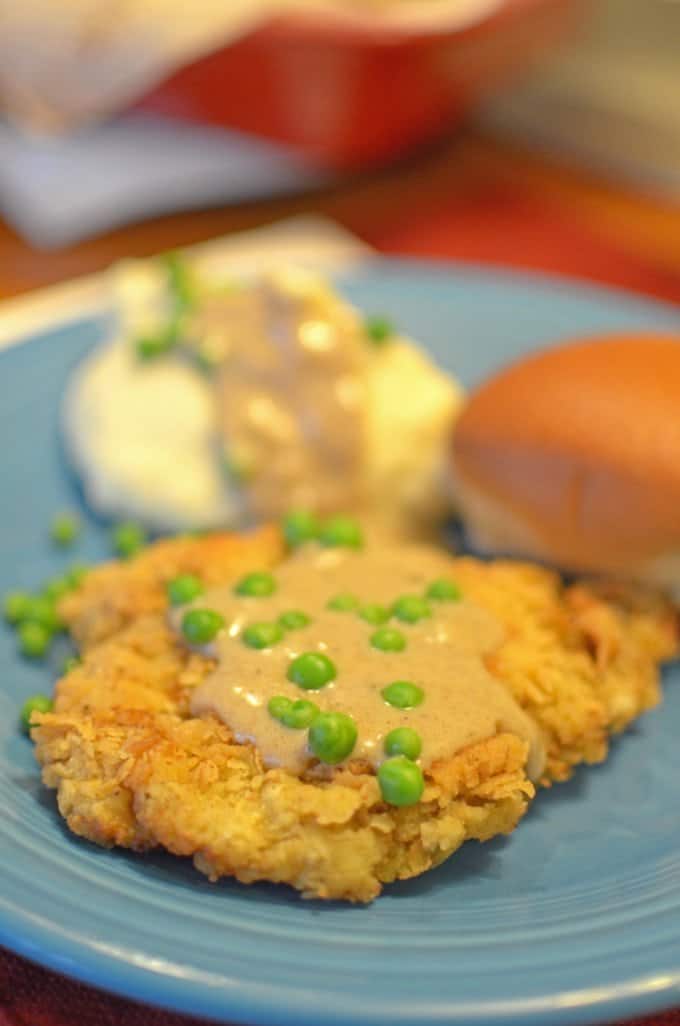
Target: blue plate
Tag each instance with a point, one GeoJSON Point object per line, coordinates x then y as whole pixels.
{"type": "Point", "coordinates": [574, 919]}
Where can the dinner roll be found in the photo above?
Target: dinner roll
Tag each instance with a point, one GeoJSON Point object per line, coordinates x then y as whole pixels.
{"type": "Point", "coordinates": [572, 455]}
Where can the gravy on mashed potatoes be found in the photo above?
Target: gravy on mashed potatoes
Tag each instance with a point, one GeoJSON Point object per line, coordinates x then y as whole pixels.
{"type": "Point", "coordinates": [301, 408]}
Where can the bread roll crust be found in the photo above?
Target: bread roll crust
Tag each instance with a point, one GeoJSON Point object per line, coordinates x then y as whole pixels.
{"type": "Point", "coordinates": [579, 448]}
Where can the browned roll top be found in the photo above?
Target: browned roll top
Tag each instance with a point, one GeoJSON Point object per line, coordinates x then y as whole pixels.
{"type": "Point", "coordinates": [581, 445]}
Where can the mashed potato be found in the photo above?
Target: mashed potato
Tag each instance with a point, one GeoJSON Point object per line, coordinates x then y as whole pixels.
{"type": "Point", "coordinates": [149, 436]}
{"type": "Point", "coordinates": [143, 439]}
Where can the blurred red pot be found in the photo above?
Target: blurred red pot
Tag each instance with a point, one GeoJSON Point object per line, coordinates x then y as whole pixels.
{"type": "Point", "coordinates": [347, 94]}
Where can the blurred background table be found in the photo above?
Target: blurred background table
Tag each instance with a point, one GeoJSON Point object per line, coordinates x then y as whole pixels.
{"type": "Point", "coordinates": [472, 197]}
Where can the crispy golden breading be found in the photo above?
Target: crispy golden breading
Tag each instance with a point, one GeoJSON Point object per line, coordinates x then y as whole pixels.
{"type": "Point", "coordinates": [582, 660]}
{"type": "Point", "coordinates": [132, 767]}
{"type": "Point", "coordinates": [114, 594]}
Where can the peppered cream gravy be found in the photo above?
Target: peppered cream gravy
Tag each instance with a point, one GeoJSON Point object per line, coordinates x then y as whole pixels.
{"type": "Point", "coordinates": [292, 393]}
{"type": "Point", "coordinates": [443, 655]}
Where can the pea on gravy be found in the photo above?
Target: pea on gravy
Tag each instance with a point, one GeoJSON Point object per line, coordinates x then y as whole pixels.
{"type": "Point", "coordinates": [382, 637]}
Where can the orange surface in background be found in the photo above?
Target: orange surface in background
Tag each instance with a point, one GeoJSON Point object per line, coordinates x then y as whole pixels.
{"type": "Point", "coordinates": [347, 97]}
{"type": "Point", "coordinates": [503, 227]}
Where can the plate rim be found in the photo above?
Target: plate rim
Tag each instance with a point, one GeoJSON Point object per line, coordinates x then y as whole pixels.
{"type": "Point", "coordinates": [130, 975]}
{"type": "Point", "coordinates": [412, 265]}
{"type": "Point", "coordinates": [138, 979]}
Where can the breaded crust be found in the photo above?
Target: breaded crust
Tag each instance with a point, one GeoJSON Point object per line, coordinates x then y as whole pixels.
{"type": "Point", "coordinates": [582, 660]}
{"type": "Point", "coordinates": [116, 593]}
{"type": "Point", "coordinates": [132, 767]}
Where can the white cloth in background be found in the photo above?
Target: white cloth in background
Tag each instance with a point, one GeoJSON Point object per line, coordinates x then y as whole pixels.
{"type": "Point", "coordinates": [56, 191]}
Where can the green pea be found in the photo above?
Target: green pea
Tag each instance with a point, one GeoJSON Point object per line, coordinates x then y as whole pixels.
{"type": "Point", "coordinates": [332, 737]}
{"type": "Point", "coordinates": [64, 529]}
{"type": "Point", "coordinates": [300, 714]}
{"type": "Point", "coordinates": [128, 538]}
{"type": "Point", "coordinates": [343, 603]}
{"type": "Point", "coordinates": [34, 640]}
{"type": "Point", "coordinates": [299, 527]}
{"type": "Point", "coordinates": [42, 611]}
{"type": "Point", "coordinates": [200, 626]}
{"type": "Point", "coordinates": [76, 575]}
{"type": "Point", "coordinates": [180, 279]}
{"type": "Point", "coordinates": [342, 531]}
{"type": "Point", "coordinates": [150, 347]}
{"type": "Point", "coordinates": [403, 741]}
{"type": "Point", "coordinates": [262, 635]}
{"type": "Point", "coordinates": [15, 606]}
{"type": "Point", "coordinates": [293, 619]}
{"type": "Point", "coordinates": [378, 329]}
{"type": "Point", "coordinates": [411, 608]}
{"type": "Point", "coordinates": [401, 781]}
{"type": "Point", "coordinates": [56, 587]}
{"type": "Point", "coordinates": [70, 663]}
{"type": "Point", "coordinates": [443, 590]}
{"type": "Point", "coordinates": [278, 706]}
{"type": "Point", "coordinates": [374, 613]}
{"type": "Point", "coordinates": [388, 639]}
{"type": "Point", "coordinates": [36, 703]}
{"type": "Point", "coordinates": [312, 671]}
{"type": "Point", "coordinates": [256, 585]}
{"type": "Point", "coordinates": [183, 589]}
{"type": "Point", "coordinates": [403, 694]}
